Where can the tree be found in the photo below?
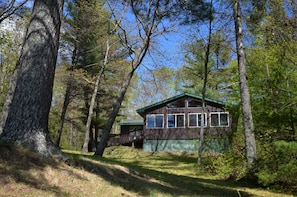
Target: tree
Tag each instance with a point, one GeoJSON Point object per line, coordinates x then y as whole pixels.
{"type": "Point", "coordinates": [92, 104]}
{"type": "Point", "coordinates": [273, 72]}
{"type": "Point", "coordinates": [29, 99]}
{"type": "Point", "coordinates": [148, 16]}
{"type": "Point", "coordinates": [205, 76]}
{"type": "Point", "coordinates": [251, 152]}
{"type": "Point", "coordinates": [155, 84]}
{"type": "Point", "coordinates": [87, 28]}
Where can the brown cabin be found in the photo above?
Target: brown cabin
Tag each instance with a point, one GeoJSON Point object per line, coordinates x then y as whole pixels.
{"type": "Point", "coordinates": [174, 124]}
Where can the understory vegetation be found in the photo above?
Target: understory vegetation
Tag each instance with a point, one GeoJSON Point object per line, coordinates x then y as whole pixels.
{"type": "Point", "coordinates": [124, 171]}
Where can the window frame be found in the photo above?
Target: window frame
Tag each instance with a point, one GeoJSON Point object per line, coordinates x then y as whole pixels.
{"type": "Point", "coordinates": [154, 115]}
{"type": "Point", "coordinates": [219, 119]}
{"type": "Point", "coordinates": [176, 120]}
{"type": "Point", "coordinates": [197, 120]}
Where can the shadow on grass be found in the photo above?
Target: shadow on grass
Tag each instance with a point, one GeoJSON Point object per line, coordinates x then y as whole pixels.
{"type": "Point", "coordinates": [135, 178]}
{"type": "Point", "coordinates": [16, 165]}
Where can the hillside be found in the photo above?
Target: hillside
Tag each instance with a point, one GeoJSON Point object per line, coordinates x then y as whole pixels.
{"type": "Point", "coordinates": [122, 172]}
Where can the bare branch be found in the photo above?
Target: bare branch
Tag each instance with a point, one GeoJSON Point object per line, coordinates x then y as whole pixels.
{"type": "Point", "coordinates": [10, 9]}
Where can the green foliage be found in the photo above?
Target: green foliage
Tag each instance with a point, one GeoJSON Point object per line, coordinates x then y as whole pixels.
{"type": "Point", "coordinates": [277, 164]}
{"type": "Point", "coordinates": [10, 41]}
{"type": "Point", "coordinates": [228, 165]}
{"type": "Point", "coordinates": [231, 164]}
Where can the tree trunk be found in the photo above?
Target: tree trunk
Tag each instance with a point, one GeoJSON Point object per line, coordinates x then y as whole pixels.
{"type": "Point", "coordinates": [67, 98]}
{"type": "Point", "coordinates": [147, 23]}
{"type": "Point", "coordinates": [64, 109]}
{"type": "Point", "coordinates": [92, 104]}
{"type": "Point", "coordinates": [139, 55]}
{"type": "Point", "coordinates": [251, 152]}
{"type": "Point", "coordinates": [206, 62]}
{"type": "Point", "coordinates": [31, 89]}
{"type": "Point", "coordinates": [116, 108]}
{"type": "Point", "coordinates": [90, 114]}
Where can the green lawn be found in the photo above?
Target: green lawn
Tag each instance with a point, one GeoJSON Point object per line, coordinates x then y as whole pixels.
{"type": "Point", "coordinates": [123, 171]}
{"type": "Point", "coordinates": [163, 174]}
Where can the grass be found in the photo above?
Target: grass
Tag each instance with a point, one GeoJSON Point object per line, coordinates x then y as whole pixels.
{"type": "Point", "coordinates": [123, 171]}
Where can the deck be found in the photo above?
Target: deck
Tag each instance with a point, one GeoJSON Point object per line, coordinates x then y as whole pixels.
{"type": "Point", "coordinates": [125, 139]}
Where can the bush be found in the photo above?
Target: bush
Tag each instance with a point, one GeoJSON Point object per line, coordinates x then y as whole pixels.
{"type": "Point", "coordinates": [277, 164]}
{"type": "Point", "coordinates": [228, 165]}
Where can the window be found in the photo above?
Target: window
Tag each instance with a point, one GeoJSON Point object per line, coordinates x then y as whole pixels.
{"type": "Point", "coordinates": [177, 104]}
{"type": "Point", "coordinates": [154, 121]}
{"type": "Point", "coordinates": [194, 103]}
{"type": "Point", "coordinates": [195, 120]}
{"type": "Point", "coordinates": [219, 119]}
{"type": "Point", "coordinates": [175, 120]}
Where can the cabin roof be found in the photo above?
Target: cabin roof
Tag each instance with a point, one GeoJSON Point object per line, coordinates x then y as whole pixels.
{"type": "Point", "coordinates": [142, 111]}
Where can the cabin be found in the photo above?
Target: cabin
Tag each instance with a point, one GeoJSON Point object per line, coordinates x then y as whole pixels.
{"type": "Point", "coordinates": [174, 124]}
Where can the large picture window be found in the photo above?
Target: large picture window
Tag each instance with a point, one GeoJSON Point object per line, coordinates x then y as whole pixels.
{"type": "Point", "coordinates": [219, 119]}
{"type": "Point", "coordinates": [154, 121]}
{"type": "Point", "coordinates": [195, 120]}
{"type": "Point", "coordinates": [175, 120]}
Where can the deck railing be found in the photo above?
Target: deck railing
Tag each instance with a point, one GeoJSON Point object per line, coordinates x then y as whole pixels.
{"type": "Point", "coordinates": [125, 138]}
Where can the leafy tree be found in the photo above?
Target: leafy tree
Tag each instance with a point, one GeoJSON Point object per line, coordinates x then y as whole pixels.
{"type": "Point", "coordinates": [155, 84]}
{"type": "Point", "coordinates": [29, 99]}
{"type": "Point", "coordinates": [86, 25]}
{"type": "Point", "coordinates": [273, 73]}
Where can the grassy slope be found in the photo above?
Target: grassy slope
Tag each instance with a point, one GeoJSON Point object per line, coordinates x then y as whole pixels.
{"type": "Point", "coordinates": [122, 172]}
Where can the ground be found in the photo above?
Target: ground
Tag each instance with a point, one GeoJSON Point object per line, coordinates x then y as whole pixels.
{"type": "Point", "coordinates": [122, 171]}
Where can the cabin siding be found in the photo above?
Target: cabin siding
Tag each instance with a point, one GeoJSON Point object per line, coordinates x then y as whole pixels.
{"type": "Point", "coordinates": [213, 145]}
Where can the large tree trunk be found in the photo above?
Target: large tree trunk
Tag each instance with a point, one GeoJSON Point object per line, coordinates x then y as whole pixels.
{"type": "Point", "coordinates": [251, 152]}
{"type": "Point", "coordinates": [31, 89]}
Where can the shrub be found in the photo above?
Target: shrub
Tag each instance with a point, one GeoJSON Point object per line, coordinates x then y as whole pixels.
{"type": "Point", "coordinates": [277, 164]}
{"type": "Point", "coordinates": [228, 165]}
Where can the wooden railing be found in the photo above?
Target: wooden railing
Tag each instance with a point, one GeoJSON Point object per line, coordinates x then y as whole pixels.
{"type": "Point", "coordinates": [125, 138]}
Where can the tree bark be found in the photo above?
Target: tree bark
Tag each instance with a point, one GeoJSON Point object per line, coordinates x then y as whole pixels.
{"type": "Point", "coordinates": [251, 152]}
{"type": "Point", "coordinates": [30, 96]}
